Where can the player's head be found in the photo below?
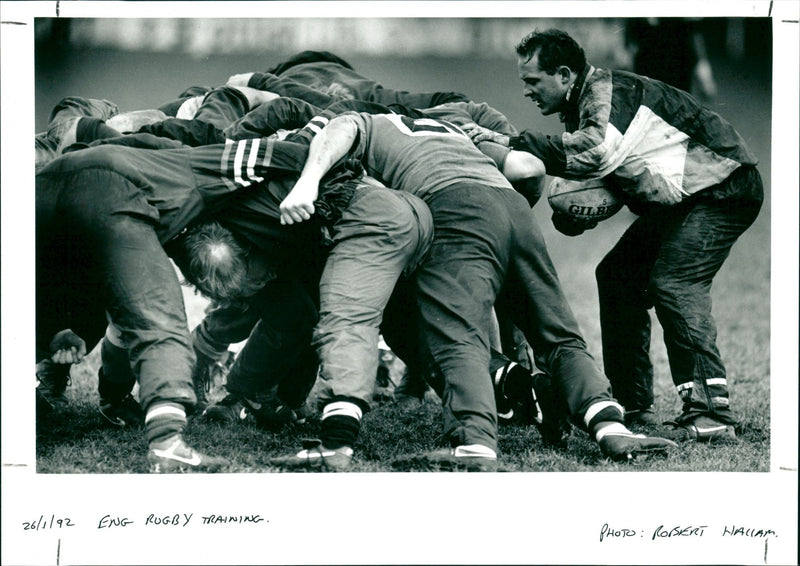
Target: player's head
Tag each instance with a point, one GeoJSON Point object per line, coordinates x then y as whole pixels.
{"type": "Point", "coordinates": [548, 64]}
{"type": "Point", "coordinates": [216, 263]}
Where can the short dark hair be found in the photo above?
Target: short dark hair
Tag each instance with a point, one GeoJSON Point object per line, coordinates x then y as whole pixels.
{"type": "Point", "coordinates": [216, 263]}
{"type": "Point", "coordinates": [555, 48]}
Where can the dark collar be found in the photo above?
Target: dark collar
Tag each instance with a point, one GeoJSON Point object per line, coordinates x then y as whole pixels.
{"type": "Point", "coordinates": [574, 94]}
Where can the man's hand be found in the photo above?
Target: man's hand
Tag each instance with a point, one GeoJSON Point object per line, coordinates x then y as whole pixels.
{"type": "Point", "coordinates": [298, 205]}
{"type": "Point", "coordinates": [67, 348]}
{"type": "Point", "coordinates": [571, 226]}
{"type": "Point", "coordinates": [480, 134]}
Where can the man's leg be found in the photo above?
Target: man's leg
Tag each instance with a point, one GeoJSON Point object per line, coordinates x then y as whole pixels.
{"type": "Point", "coordinates": [146, 304]}
{"type": "Point", "coordinates": [456, 289]}
{"type": "Point", "coordinates": [544, 315]}
{"type": "Point", "coordinates": [622, 278]}
{"type": "Point", "coordinates": [380, 234]}
{"type": "Point", "coordinates": [115, 382]}
{"type": "Point", "coordinates": [400, 330]}
{"type": "Point", "coordinates": [69, 291]}
{"type": "Point", "coordinates": [694, 248]}
{"type": "Point", "coordinates": [143, 298]}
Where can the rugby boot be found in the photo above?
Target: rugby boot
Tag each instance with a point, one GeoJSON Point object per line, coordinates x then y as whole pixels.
{"type": "Point", "coordinates": [641, 417]}
{"type": "Point", "coordinates": [303, 413]}
{"type": "Point", "coordinates": [505, 405]}
{"type": "Point", "coordinates": [625, 447]}
{"type": "Point", "coordinates": [472, 458]}
{"type": "Point", "coordinates": [703, 428]}
{"type": "Point", "coordinates": [174, 455]}
{"type": "Point", "coordinates": [315, 456]}
{"type": "Point", "coordinates": [230, 410]}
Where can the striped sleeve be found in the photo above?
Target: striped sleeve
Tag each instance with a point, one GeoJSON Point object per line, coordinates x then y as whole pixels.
{"type": "Point", "coordinates": [234, 165]}
{"type": "Point", "coordinates": [226, 168]}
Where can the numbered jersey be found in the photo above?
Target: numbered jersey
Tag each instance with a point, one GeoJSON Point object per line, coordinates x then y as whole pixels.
{"type": "Point", "coordinates": [421, 156]}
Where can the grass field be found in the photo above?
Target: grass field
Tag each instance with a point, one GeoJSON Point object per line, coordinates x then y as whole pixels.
{"type": "Point", "coordinates": [77, 441]}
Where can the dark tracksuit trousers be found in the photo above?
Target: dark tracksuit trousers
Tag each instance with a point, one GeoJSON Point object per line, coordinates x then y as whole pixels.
{"type": "Point", "coordinates": [667, 259]}
{"type": "Point", "coordinates": [486, 238]}
{"type": "Point", "coordinates": [102, 254]}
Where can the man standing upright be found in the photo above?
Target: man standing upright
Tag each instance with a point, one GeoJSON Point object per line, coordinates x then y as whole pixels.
{"type": "Point", "coordinates": [692, 181]}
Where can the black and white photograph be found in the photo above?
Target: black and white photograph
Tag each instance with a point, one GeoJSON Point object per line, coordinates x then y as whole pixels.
{"type": "Point", "coordinates": [400, 282]}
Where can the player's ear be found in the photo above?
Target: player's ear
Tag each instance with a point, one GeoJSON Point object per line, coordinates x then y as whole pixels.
{"type": "Point", "coordinates": [564, 74]}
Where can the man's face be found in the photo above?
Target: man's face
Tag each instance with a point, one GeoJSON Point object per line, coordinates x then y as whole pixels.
{"type": "Point", "coordinates": [547, 91]}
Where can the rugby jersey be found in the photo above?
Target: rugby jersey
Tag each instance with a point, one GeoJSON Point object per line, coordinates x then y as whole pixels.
{"type": "Point", "coordinates": [420, 156]}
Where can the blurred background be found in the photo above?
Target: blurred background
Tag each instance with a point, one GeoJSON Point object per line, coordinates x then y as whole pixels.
{"type": "Point", "coordinates": [143, 63]}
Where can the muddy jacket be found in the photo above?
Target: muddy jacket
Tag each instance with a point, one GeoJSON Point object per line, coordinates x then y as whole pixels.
{"type": "Point", "coordinates": [660, 144]}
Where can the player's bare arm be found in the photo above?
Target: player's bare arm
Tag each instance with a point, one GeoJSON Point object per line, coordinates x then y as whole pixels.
{"type": "Point", "coordinates": [327, 147]}
{"type": "Point", "coordinates": [520, 165]}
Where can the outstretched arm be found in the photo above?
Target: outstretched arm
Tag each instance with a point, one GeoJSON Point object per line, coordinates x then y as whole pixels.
{"type": "Point", "coordinates": [328, 146]}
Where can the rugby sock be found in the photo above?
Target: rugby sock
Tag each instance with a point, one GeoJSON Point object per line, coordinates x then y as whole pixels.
{"type": "Point", "coordinates": [341, 422]}
{"type": "Point", "coordinates": [164, 420]}
{"type": "Point", "coordinates": [603, 413]}
{"type": "Point", "coordinates": [606, 428]}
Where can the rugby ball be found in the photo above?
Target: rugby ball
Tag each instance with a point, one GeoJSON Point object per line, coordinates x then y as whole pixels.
{"type": "Point", "coordinates": [584, 200]}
